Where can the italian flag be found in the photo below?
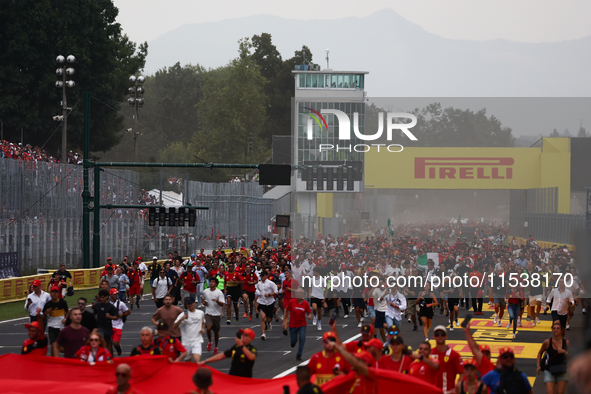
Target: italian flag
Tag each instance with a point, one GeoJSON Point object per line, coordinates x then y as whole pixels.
{"type": "Point", "coordinates": [436, 257]}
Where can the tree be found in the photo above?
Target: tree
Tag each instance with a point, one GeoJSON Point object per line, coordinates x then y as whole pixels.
{"type": "Point", "coordinates": [231, 113]}
{"type": "Point", "coordinates": [582, 132]}
{"type": "Point", "coordinates": [554, 134]}
{"type": "Point", "coordinates": [456, 127]}
{"type": "Point", "coordinates": [32, 34]}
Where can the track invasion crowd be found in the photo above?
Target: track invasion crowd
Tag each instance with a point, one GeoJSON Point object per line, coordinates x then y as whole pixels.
{"type": "Point", "coordinates": [197, 295]}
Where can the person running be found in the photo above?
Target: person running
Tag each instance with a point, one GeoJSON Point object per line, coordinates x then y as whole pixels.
{"type": "Point", "coordinates": [192, 325]}
{"type": "Point", "coordinates": [426, 301]}
{"type": "Point", "coordinates": [105, 313]}
{"type": "Point", "coordinates": [161, 286]}
{"type": "Point", "coordinates": [424, 367]}
{"type": "Point", "coordinates": [36, 300]}
{"type": "Point", "coordinates": [453, 302]}
{"type": "Point", "coordinates": [213, 299]}
{"type": "Point", "coordinates": [122, 313]}
{"type": "Point", "coordinates": [316, 295]}
{"type": "Point", "coordinates": [471, 385]}
{"type": "Point", "coordinates": [168, 314]}
{"type": "Point", "coordinates": [37, 341]}
{"type": "Point", "coordinates": [297, 310]}
{"type": "Point", "coordinates": [450, 361]}
{"type": "Point", "coordinates": [189, 280]}
{"type": "Point", "coordinates": [396, 307]}
{"type": "Point", "coordinates": [507, 379]}
{"type": "Point", "coordinates": [73, 336]}
{"type": "Point", "coordinates": [95, 350]}
{"type": "Point", "coordinates": [514, 298]}
{"type": "Point", "coordinates": [147, 346]}
{"type": "Point", "coordinates": [248, 291]}
{"type": "Point", "coordinates": [289, 287]}
{"type": "Point", "coordinates": [535, 296]}
{"type": "Point", "coordinates": [396, 360]}
{"type": "Point", "coordinates": [266, 291]}
{"type": "Point", "coordinates": [55, 313]}
{"type": "Point", "coordinates": [359, 301]}
{"type": "Point", "coordinates": [554, 362]}
{"type": "Point", "coordinates": [327, 363]}
{"type": "Point", "coordinates": [233, 290]}
{"type": "Point", "coordinates": [561, 299]}
{"type": "Point", "coordinates": [499, 297]}
{"type": "Point", "coordinates": [136, 281]}
{"type": "Point", "coordinates": [243, 354]}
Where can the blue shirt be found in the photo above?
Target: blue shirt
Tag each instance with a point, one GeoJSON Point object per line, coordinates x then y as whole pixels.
{"type": "Point", "coordinates": [122, 286]}
{"type": "Point", "coordinates": [493, 378]}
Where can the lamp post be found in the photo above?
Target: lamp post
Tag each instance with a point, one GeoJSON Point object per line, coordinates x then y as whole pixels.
{"type": "Point", "coordinates": [136, 99]}
{"type": "Point", "coordinates": [64, 71]}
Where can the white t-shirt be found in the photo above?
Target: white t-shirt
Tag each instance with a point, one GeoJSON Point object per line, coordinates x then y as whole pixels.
{"type": "Point", "coordinates": [213, 308]}
{"type": "Point", "coordinates": [191, 327]}
{"type": "Point", "coordinates": [143, 267]}
{"type": "Point", "coordinates": [122, 309]}
{"type": "Point", "coordinates": [317, 284]}
{"type": "Point", "coordinates": [161, 286]}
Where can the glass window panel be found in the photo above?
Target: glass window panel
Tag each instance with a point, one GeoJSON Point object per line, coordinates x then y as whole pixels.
{"type": "Point", "coordinates": [320, 80]}
{"type": "Point", "coordinates": [333, 83]}
{"type": "Point", "coordinates": [314, 80]}
{"type": "Point", "coordinates": [346, 81]}
{"type": "Point", "coordinates": [302, 80]}
{"type": "Point", "coordinates": [308, 81]}
{"type": "Point", "coordinates": [340, 82]}
{"type": "Point", "coordinates": [327, 80]}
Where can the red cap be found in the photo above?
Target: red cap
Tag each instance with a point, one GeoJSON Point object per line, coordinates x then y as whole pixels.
{"type": "Point", "coordinates": [328, 334]}
{"type": "Point", "coordinates": [248, 332]}
{"type": "Point", "coordinates": [470, 361]}
{"type": "Point", "coordinates": [504, 350]}
{"type": "Point", "coordinates": [374, 342]}
{"type": "Point", "coordinates": [34, 324]}
{"type": "Point", "coordinates": [54, 288]}
{"type": "Point", "coordinates": [113, 291]}
{"type": "Point", "coordinates": [139, 258]}
{"type": "Point", "coordinates": [109, 258]}
{"type": "Point", "coordinates": [365, 356]}
{"type": "Point", "coordinates": [484, 348]}
{"type": "Point", "coordinates": [36, 282]}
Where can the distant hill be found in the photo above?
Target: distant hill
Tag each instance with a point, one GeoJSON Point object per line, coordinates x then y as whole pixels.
{"type": "Point", "coordinates": [402, 58]}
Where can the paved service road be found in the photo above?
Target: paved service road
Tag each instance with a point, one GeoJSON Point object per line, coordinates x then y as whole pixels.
{"type": "Point", "coordinates": [276, 357]}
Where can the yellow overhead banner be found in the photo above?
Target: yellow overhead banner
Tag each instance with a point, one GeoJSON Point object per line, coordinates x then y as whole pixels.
{"type": "Point", "coordinates": [473, 168]}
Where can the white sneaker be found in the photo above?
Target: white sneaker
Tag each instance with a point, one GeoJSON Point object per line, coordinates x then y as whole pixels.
{"type": "Point", "coordinates": [360, 325]}
{"type": "Point", "coordinates": [508, 325]}
{"type": "Point", "coordinates": [263, 337]}
{"type": "Point", "coordinates": [499, 323]}
{"type": "Point", "coordinates": [519, 323]}
{"type": "Point", "coordinates": [568, 326]}
{"type": "Point", "coordinates": [513, 335]}
{"type": "Point", "coordinates": [314, 321]}
{"type": "Point", "coordinates": [537, 320]}
{"type": "Point", "coordinates": [426, 339]}
{"type": "Point", "coordinates": [319, 326]}
{"type": "Point", "coordinates": [451, 328]}
{"type": "Point", "coordinates": [270, 327]}
{"type": "Point", "coordinates": [457, 323]}
{"type": "Point", "coordinates": [346, 316]}
{"type": "Point", "coordinates": [533, 323]}
{"type": "Point", "coordinates": [495, 319]}
{"type": "Point", "coordinates": [584, 311]}
{"type": "Point", "coordinates": [409, 320]}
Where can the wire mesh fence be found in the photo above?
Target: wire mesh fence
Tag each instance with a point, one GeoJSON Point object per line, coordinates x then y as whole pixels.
{"type": "Point", "coordinates": [41, 216]}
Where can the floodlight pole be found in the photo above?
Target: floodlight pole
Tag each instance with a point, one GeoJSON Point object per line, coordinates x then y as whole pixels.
{"type": "Point", "coordinates": [86, 199]}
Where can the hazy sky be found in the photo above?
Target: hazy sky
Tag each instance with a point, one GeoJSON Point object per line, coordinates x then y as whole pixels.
{"type": "Point", "coordinates": [523, 20]}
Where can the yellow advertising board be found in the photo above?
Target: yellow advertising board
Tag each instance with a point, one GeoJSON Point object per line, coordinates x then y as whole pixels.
{"type": "Point", "coordinates": [473, 168]}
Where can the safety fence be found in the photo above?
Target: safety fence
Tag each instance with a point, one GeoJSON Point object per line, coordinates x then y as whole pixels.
{"type": "Point", "coordinates": [41, 216]}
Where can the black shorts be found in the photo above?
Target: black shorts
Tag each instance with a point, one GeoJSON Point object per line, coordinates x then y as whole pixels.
{"type": "Point", "coordinates": [251, 295]}
{"type": "Point", "coordinates": [451, 302]}
{"type": "Point", "coordinates": [53, 333]}
{"type": "Point", "coordinates": [234, 293]}
{"type": "Point", "coordinates": [316, 301]}
{"type": "Point", "coordinates": [268, 310]}
{"type": "Point", "coordinates": [380, 319]}
{"type": "Point", "coordinates": [359, 303]}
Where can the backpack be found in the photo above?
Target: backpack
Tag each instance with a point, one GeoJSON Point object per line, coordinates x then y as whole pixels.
{"type": "Point", "coordinates": [124, 318]}
{"type": "Point", "coordinates": [511, 382]}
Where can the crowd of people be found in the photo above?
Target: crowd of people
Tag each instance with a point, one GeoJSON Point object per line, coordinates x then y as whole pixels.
{"type": "Point", "coordinates": [291, 283]}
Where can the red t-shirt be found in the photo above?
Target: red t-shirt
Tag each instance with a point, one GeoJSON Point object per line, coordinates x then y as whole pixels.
{"type": "Point", "coordinates": [450, 365]}
{"type": "Point", "coordinates": [485, 366]}
{"type": "Point", "coordinates": [366, 384]}
{"type": "Point", "coordinates": [323, 367]}
{"type": "Point", "coordinates": [135, 277]}
{"type": "Point", "coordinates": [189, 281]}
{"type": "Point", "coordinates": [298, 312]}
{"type": "Point", "coordinates": [354, 347]}
{"type": "Point", "coordinates": [250, 280]}
{"type": "Point", "coordinates": [233, 279]}
{"type": "Point", "coordinates": [292, 284]}
{"type": "Point", "coordinates": [402, 365]}
{"type": "Point", "coordinates": [170, 347]}
{"type": "Point", "coordinates": [420, 370]}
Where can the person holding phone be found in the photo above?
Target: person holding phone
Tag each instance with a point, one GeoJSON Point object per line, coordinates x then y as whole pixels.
{"type": "Point", "coordinates": [243, 354]}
